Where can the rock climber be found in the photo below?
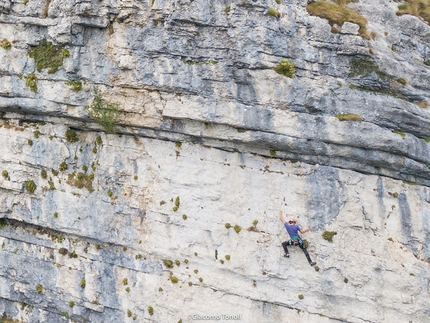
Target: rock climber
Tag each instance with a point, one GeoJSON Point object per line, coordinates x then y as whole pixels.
{"type": "Point", "coordinates": [293, 230]}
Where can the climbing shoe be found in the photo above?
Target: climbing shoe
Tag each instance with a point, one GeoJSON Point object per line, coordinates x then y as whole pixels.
{"type": "Point", "coordinates": [287, 255]}
{"type": "Point", "coordinates": [313, 263]}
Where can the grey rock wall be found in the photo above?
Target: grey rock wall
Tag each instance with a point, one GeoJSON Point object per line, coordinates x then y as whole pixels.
{"type": "Point", "coordinates": [204, 117]}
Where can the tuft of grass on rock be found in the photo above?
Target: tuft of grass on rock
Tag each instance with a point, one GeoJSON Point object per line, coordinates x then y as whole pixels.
{"type": "Point", "coordinates": [76, 85]}
{"type": "Point", "coordinates": [273, 13]}
{"type": "Point", "coordinates": [39, 288]}
{"type": "Point", "coordinates": [417, 8]}
{"type": "Point", "coordinates": [63, 166]}
{"type": "Point", "coordinates": [328, 235]}
{"type": "Point", "coordinates": [64, 314]}
{"type": "Point", "coordinates": [5, 44]}
{"type": "Point", "coordinates": [286, 68]}
{"type": "Point", "coordinates": [237, 228]}
{"type": "Point", "coordinates": [5, 175]}
{"type": "Point", "coordinates": [99, 140]}
{"type": "Point", "coordinates": [71, 136]}
{"type": "Point", "coordinates": [348, 117]}
{"type": "Point", "coordinates": [31, 82]}
{"type": "Point", "coordinates": [337, 14]}
{"type": "Point", "coordinates": [81, 180]}
{"type": "Point", "coordinates": [150, 310]}
{"type": "Point", "coordinates": [402, 81]}
{"type": "Point", "coordinates": [168, 263]}
{"type": "Point", "coordinates": [399, 132]}
{"type": "Point", "coordinates": [48, 56]}
{"type": "Point", "coordinates": [306, 243]}
{"type": "Point", "coordinates": [30, 186]}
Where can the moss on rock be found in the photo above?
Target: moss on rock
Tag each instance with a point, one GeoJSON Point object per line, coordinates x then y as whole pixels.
{"type": "Point", "coordinates": [48, 56]}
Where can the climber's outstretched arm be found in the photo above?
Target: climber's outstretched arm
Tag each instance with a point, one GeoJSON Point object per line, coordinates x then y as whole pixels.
{"type": "Point", "coordinates": [304, 230]}
{"type": "Point", "coordinates": [280, 217]}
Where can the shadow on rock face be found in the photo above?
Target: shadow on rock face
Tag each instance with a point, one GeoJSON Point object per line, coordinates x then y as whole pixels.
{"type": "Point", "coordinates": [324, 201]}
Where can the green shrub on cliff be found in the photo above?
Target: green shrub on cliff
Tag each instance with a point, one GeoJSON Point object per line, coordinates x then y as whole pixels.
{"type": "Point", "coordinates": [5, 175]}
{"type": "Point", "coordinates": [150, 310]}
{"type": "Point", "coordinates": [5, 44]}
{"type": "Point", "coordinates": [39, 288]}
{"type": "Point", "coordinates": [402, 81]}
{"type": "Point", "coordinates": [273, 13]}
{"type": "Point", "coordinates": [49, 56]}
{"type": "Point", "coordinates": [30, 186]}
{"type": "Point", "coordinates": [286, 68]}
{"type": "Point", "coordinates": [71, 136]}
{"type": "Point", "coordinates": [77, 85]}
{"type": "Point", "coordinates": [63, 166]}
{"type": "Point", "coordinates": [81, 180]}
{"type": "Point", "coordinates": [328, 235]}
{"type": "Point", "coordinates": [31, 82]}
{"type": "Point", "coordinates": [103, 112]}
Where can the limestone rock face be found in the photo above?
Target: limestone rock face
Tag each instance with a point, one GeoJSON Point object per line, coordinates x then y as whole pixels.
{"type": "Point", "coordinates": [174, 217]}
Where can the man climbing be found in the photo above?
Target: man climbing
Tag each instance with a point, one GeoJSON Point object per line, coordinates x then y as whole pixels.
{"type": "Point", "coordinates": [293, 230]}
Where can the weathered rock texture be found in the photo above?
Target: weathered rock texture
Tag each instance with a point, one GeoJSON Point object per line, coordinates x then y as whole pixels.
{"type": "Point", "coordinates": [210, 134]}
